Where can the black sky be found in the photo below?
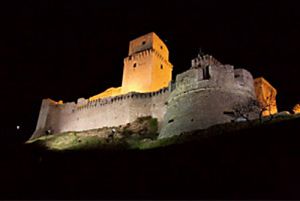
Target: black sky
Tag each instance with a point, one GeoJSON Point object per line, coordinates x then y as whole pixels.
{"type": "Point", "coordinates": [71, 49]}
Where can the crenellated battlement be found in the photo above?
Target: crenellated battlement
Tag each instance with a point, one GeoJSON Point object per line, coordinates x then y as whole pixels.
{"type": "Point", "coordinates": [162, 59]}
{"type": "Point", "coordinates": [111, 111]}
{"type": "Point", "coordinates": [203, 61]}
{"type": "Point", "coordinates": [120, 98]}
{"type": "Point", "coordinates": [147, 68]}
{"type": "Point", "coordinates": [209, 93]}
{"type": "Point", "coordinates": [200, 97]}
{"type": "Point", "coordinates": [138, 56]}
{"type": "Point", "coordinates": [146, 53]}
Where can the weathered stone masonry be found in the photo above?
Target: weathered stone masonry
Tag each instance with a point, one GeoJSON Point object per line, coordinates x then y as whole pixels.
{"type": "Point", "coordinates": [115, 111]}
{"type": "Point", "coordinates": [208, 93]}
{"type": "Point", "coordinates": [147, 73]}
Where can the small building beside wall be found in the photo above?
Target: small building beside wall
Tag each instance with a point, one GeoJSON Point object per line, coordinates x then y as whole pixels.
{"type": "Point", "coordinates": [266, 96]}
{"type": "Point", "coordinates": [296, 109]}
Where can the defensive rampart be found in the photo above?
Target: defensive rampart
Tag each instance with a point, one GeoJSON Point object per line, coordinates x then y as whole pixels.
{"type": "Point", "coordinates": [114, 111]}
{"type": "Point", "coordinates": [209, 93]}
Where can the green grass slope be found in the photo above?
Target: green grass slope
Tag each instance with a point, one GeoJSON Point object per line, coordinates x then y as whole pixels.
{"type": "Point", "coordinates": [141, 134]}
{"type": "Point", "coordinates": [254, 160]}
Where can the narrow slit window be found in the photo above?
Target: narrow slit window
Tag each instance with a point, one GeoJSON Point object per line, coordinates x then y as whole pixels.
{"type": "Point", "coordinates": [205, 71]}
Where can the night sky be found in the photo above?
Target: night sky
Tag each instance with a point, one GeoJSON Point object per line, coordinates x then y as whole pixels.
{"type": "Point", "coordinates": [70, 49]}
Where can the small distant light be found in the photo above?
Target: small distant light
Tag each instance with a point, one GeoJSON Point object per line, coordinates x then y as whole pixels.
{"type": "Point", "coordinates": [18, 127]}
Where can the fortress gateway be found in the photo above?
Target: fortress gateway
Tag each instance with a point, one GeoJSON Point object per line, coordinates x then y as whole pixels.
{"type": "Point", "coordinates": [208, 93]}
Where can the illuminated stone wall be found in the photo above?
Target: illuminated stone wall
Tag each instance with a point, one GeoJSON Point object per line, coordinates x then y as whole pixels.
{"type": "Point", "coordinates": [113, 111]}
{"type": "Point", "coordinates": [146, 42]}
{"type": "Point", "coordinates": [147, 67]}
{"type": "Point", "coordinates": [296, 109]}
{"type": "Point", "coordinates": [266, 95]}
{"type": "Point", "coordinates": [208, 94]}
{"type": "Point", "coordinates": [147, 70]}
{"type": "Point", "coordinates": [42, 125]}
{"type": "Point", "coordinates": [107, 93]}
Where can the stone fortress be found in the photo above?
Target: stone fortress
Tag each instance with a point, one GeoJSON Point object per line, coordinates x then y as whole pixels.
{"type": "Point", "coordinates": [208, 93]}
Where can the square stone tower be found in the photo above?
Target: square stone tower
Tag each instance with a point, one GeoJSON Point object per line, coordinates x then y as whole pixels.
{"type": "Point", "coordinates": [147, 67]}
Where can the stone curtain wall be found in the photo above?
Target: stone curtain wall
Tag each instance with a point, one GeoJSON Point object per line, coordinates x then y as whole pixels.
{"type": "Point", "coordinates": [208, 93]}
{"type": "Point", "coordinates": [41, 126]}
{"type": "Point", "coordinates": [244, 81]}
{"type": "Point", "coordinates": [201, 109]}
{"type": "Point", "coordinates": [99, 113]}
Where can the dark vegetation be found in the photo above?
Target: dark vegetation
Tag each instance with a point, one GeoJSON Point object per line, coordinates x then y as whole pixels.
{"type": "Point", "coordinates": [258, 162]}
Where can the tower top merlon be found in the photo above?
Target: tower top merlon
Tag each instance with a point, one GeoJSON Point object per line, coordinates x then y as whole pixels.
{"type": "Point", "coordinates": [148, 41]}
{"type": "Point", "coordinates": [202, 61]}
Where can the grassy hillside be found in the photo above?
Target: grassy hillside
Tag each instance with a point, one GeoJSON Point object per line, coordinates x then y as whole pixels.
{"type": "Point", "coordinates": [261, 161]}
{"type": "Point", "coordinates": [141, 134]}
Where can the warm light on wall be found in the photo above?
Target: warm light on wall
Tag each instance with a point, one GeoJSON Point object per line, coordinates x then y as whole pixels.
{"type": "Point", "coordinates": [107, 93]}
{"type": "Point", "coordinates": [266, 96]}
{"type": "Point", "coordinates": [296, 109]}
{"type": "Point", "coordinates": [146, 69]}
{"type": "Point", "coordinates": [60, 102]}
{"type": "Point", "coordinates": [134, 87]}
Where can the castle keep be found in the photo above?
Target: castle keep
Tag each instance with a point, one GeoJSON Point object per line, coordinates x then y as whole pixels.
{"type": "Point", "coordinates": [146, 69]}
{"type": "Point", "coordinates": [208, 93]}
